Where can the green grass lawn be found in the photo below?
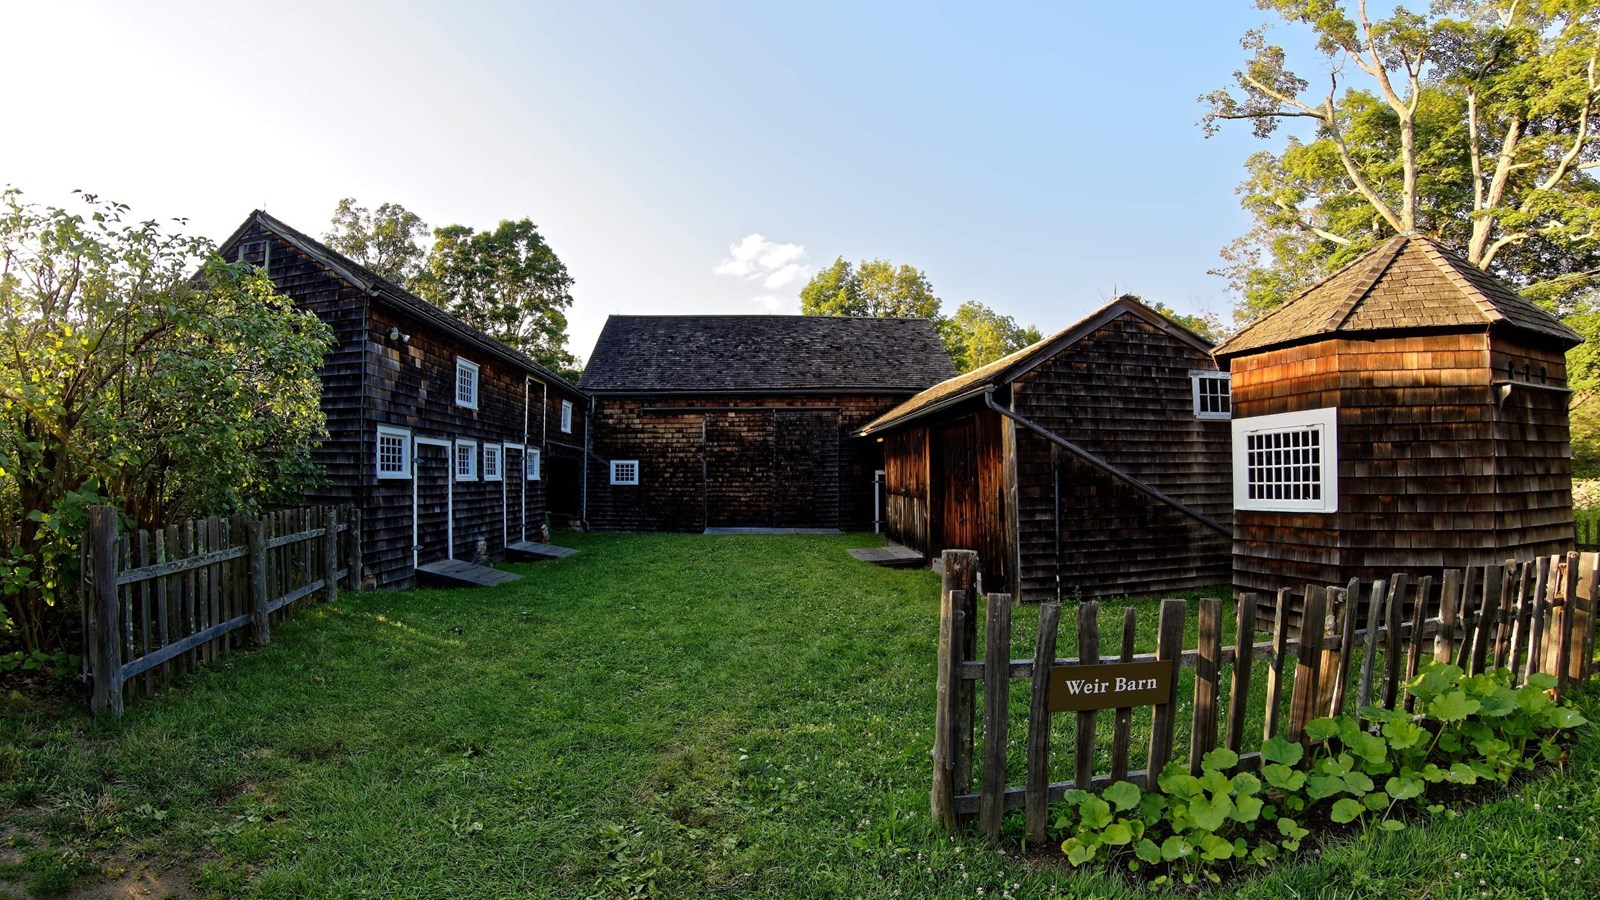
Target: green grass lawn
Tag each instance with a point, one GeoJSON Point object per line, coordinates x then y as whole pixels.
{"type": "Point", "coordinates": [675, 715]}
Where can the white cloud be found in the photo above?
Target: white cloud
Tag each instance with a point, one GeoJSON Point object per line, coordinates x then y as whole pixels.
{"type": "Point", "coordinates": [775, 266]}
{"type": "Point", "coordinates": [768, 302]}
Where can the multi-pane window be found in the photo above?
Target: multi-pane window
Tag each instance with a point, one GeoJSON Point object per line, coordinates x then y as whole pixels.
{"type": "Point", "coordinates": [1287, 462]}
{"type": "Point", "coordinates": [466, 383]}
{"type": "Point", "coordinates": [625, 471]}
{"type": "Point", "coordinates": [394, 452]}
{"type": "Point", "coordinates": [1212, 397]}
{"type": "Point", "coordinates": [533, 463]}
{"type": "Point", "coordinates": [466, 460]}
{"type": "Point", "coordinates": [491, 462]}
{"type": "Point", "coordinates": [566, 416]}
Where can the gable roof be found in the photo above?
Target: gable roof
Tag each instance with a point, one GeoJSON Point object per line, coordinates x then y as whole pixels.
{"type": "Point", "coordinates": [1409, 281]}
{"type": "Point", "coordinates": [764, 354]}
{"type": "Point", "coordinates": [1008, 368]}
{"type": "Point", "coordinates": [393, 295]}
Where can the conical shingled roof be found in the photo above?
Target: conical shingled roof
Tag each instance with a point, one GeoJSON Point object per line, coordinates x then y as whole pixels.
{"type": "Point", "coordinates": [1409, 281]}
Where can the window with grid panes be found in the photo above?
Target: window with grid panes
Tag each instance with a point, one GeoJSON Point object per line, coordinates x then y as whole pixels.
{"type": "Point", "coordinates": [1287, 462]}
{"type": "Point", "coordinates": [1213, 398]}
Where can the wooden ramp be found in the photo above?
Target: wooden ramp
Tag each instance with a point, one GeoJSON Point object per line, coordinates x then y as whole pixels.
{"type": "Point", "coordinates": [892, 556]}
{"type": "Point", "coordinates": [456, 573]}
{"type": "Point", "coordinates": [531, 550]}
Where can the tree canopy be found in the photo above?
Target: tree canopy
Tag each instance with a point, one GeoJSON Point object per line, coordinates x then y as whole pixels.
{"type": "Point", "coordinates": [874, 289]}
{"type": "Point", "coordinates": [136, 367]}
{"type": "Point", "coordinates": [507, 283]}
{"type": "Point", "coordinates": [1474, 124]}
{"type": "Point", "coordinates": [984, 335]}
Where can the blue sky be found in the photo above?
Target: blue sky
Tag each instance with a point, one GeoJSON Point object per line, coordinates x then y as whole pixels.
{"type": "Point", "coordinates": [1036, 158]}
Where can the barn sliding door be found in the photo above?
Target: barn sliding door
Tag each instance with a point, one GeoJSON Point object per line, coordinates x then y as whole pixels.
{"type": "Point", "coordinates": [431, 498]}
{"type": "Point", "coordinates": [956, 517]}
{"type": "Point", "coordinates": [772, 469]}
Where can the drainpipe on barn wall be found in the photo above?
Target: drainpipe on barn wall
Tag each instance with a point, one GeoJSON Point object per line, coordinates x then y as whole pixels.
{"type": "Point", "coordinates": [583, 503]}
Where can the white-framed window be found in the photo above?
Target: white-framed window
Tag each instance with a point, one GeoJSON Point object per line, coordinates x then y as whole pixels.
{"type": "Point", "coordinates": [466, 383]}
{"type": "Point", "coordinates": [1287, 462]}
{"type": "Point", "coordinates": [624, 471]}
{"type": "Point", "coordinates": [533, 463]}
{"type": "Point", "coordinates": [566, 416]}
{"type": "Point", "coordinates": [466, 460]}
{"type": "Point", "coordinates": [394, 452]}
{"type": "Point", "coordinates": [1213, 397]}
{"type": "Point", "coordinates": [491, 462]}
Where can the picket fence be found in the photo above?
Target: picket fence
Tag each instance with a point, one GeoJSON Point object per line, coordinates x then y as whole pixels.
{"type": "Point", "coordinates": [171, 600]}
{"type": "Point", "coordinates": [1530, 616]}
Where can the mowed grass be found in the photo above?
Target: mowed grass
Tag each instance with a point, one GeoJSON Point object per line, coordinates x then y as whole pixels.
{"type": "Point", "coordinates": [672, 715]}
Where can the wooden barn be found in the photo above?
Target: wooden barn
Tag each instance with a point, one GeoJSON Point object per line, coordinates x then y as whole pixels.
{"type": "Point", "coordinates": [444, 438]}
{"type": "Point", "coordinates": [708, 422]}
{"type": "Point", "coordinates": [1092, 463]}
{"type": "Point", "coordinates": [1410, 412]}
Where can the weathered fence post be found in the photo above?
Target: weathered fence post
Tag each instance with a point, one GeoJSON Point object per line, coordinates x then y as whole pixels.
{"type": "Point", "coordinates": [1122, 720]}
{"type": "Point", "coordinates": [1036, 794]}
{"type": "Point", "coordinates": [1163, 721]}
{"type": "Point", "coordinates": [947, 717]}
{"type": "Point", "coordinates": [1394, 623]}
{"type": "Point", "coordinates": [1280, 645]}
{"type": "Point", "coordinates": [353, 535]}
{"type": "Point", "coordinates": [1347, 646]}
{"type": "Point", "coordinates": [1207, 680]}
{"type": "Point", "coordinates": [1307, 662]}
{"type": "Point", "coordinates": [330, 554]}
{"type": "Point", "coordinates": [107, 639]}
{"type": "Point", "coordinates": [256, 538]}
{"type": "Point", "coordinates": [1244, 648]}
{"type": "Point", "coordinates": [1088, 655]}
{"type": "Point", "coordinates": [996, 697]}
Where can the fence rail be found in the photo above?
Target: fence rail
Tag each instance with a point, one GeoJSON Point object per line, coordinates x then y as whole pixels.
{"type": "Point", "coordinates": [173, 599]}
{"type": "Point", "coordinates": [1533, 616]}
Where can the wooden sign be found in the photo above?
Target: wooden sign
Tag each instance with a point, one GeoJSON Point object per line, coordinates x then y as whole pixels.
{"type": "Point", "coordinates": [1110, 686]}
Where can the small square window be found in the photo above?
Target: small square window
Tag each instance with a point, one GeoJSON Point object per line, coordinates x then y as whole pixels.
{"type": "Point", "coordinates": [466, 460]}
{"type": "Point", "coordinates": [1213, 396]}
{"type": "Point", "coordinates": [1287, 462]}
{"type": "Point", "coordinates": [466, 383]}
{"type": "Point", "coordinates": [491, 462]}
{"type": "Point", "coordinates": [533, 463]}
{"type": "Point", "coordinates": [566, 416]}
{"type": "Point", "coordinates": [625, 471]}
{"type": "Point", "coordinates": [394, 452]}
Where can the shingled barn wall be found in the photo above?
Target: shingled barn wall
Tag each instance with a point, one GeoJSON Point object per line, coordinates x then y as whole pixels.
{"type": "Point", "coordinates": [775, 461]}
{"type": "Point", "coordinates": [1434, 472]}
{"type": "Point", "coordinates": [1120, 389]}
{"type": "Point", "coordinates": [369, 379]}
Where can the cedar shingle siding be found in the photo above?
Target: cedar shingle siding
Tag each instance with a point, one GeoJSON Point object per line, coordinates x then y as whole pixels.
{"type": "Point", "coordinates": [1453, 444]}
{"type": "Point", "coordinates": [369, 379]}
{"type": "Point", "coordinates": [1117, 388]}
{"type": "Point", "coordinates": [745, 421]}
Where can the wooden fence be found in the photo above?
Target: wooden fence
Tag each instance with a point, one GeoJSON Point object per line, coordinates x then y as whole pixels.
{"type": "Point", "coordinates": [171, 600]}
{"type": "Point", "coordinates": [1536, 616]}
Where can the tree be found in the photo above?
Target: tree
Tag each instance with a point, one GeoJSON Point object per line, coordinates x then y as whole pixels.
{"type": "Point", "coordinates": [984, 335]}
{"type": "Point", "coordinates": [387, 240]}
{"type": "Point", "coordinates": [136, 367]}
{"type": "Point", "coordinates": [875, 289]}
{"type": "Point", "coordinates": [1208, 325]}
{"type": "Point", "coordinates": [1474, 124]}
{"type": "Point", "coordinates": [507, 283]}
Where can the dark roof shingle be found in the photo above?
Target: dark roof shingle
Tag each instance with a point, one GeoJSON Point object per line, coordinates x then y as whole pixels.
{"type": "Point", "coordinates": [756, 353]}
{"type": "Point", "coordinates": [1409, 281]}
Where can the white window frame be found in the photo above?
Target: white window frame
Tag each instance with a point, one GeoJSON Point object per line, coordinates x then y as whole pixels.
{"type": "Point", "coordinates": [533, 464]}
{"type": "Point", "coordinates": [498, 454]}
{"type": "Point", "coordinates": [1198, 376]}
{"type": "Point", "coordinates": [1325, 423]}
{"type": "Point", "coordinates": [455, 460]}
{"type": "Point", "coordinates": [467, 367]}
{"type": "Point", "coordinates": [566, 417]}
{"type": "Point", "coordinates": [619, 465]}
{"type": "Point", "coordinates": [404, 434]}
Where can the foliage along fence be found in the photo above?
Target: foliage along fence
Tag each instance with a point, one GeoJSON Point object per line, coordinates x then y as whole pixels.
{"type": "Point", "coordinates": [174, 599]}
{"type": "Point", "coordinates": [1536, 616]}
{"type": "Point", "coordinates": [1586, 529]}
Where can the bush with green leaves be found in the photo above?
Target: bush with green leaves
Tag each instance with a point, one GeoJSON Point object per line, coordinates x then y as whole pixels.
{"type": "Point", "coordinates": [1365, 769]}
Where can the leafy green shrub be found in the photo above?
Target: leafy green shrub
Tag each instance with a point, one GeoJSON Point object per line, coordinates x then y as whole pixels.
{"type": "Point", "coordinates": [1362, 770]}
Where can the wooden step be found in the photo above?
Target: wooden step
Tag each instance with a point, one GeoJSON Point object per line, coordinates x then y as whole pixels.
{"type": "Point", "coordinates": [456, 573]}
{"type": "Point", "coordinates": [534, 550]}
{"type": "Point", "coordinates": [892, 556]}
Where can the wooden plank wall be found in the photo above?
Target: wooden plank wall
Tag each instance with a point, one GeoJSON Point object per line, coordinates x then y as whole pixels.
{"type": "Point", "coordinates": [905, 472]}
{"type": "Point", "coordinates": [1124, 394]}
{"type": "Point", "coordinates": [1421, 441]}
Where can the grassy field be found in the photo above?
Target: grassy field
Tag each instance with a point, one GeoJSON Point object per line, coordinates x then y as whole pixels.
{"type": "Point", "coordinates": [682, 716]}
